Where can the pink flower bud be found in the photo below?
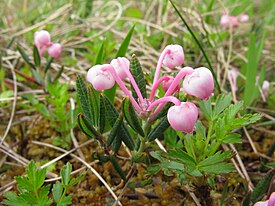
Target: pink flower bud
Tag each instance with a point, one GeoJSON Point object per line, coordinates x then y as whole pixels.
{"type": "Point", "coordinates": [100, 78]}
{"type": "Point", "coordinates": [183, 117]}
{"type": "Point", "coordinates": [265, 89]}
{"type": "Point", "coordinates": [167, 83]}
{"type": "Point", "coordinates": [243, 18]}
{"type": "Point", "coordinates": [227, 20]}
{"type": "Point", "coordinates": [55, 50]}
{"type": "Point", "coordinates": [174, 56]}
{"type": "Point", "coordinates": [42, 38]}
{"type": "Point", "coordinates": [120, 64]}
{"type": "Point", "coordinates": [200, 83]}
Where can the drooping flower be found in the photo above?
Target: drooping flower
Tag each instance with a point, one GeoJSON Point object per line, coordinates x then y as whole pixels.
{"type": "Point", "coordinates": [243, 18]}
{"type": "Point", "coordinates": [200, 83]}
{"type": "Point", "coordinates": [42, 38]}
{"type": "Point", "coordinates": [183, 117]}
{"type": "Point", "coordinates": [227, 21]}
{"type": "Point", "coordinates": [167, 83]}
{"type": "Point", "coordinates": [269, 202]}
{"type": "Point", "coordinates": [100, 77]}
{"type": "Point", "coordinates": [55, 50]}
{"type": "Point", "coordinates": [120, 64]}
{"type": "Point", "coordinates": [174, 56]}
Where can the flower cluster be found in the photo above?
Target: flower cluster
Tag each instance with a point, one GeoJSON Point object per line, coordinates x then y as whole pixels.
{"type": "Point", "coordinates": [183, 115]}
{"type": "Point", "coordinates": [42, 41]}
{"type": "Point", "coordinates": [228, 20]}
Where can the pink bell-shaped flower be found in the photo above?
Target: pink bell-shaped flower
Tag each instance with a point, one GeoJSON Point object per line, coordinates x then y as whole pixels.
{"type": "Point", "coordinates": [269, 202]}
{"type": "Point", "coordinates": [227, 20]}
{"type": "Point", "coordinates": [100, 77]}
{"type": "Point", "coordinates": [55, 50]}
{"type": "Point", "coordinates": [174, 56]}
{"type": "Point", "coordinates": [243, 18]}
{"type": "Point", "coordinates": [42, 38]}
{"type": "Point", "coordinates": [200, 83]}
{"type": "Point", "coordinates": [120, 64]}
{"type": "Point", "coordinates": [183, 117]}
{"type": "Point", "coordinates": [167, 83]}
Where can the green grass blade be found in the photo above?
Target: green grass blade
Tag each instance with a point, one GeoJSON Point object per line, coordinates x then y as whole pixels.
{"type": "Point", "coordinates": [124, 46]}
{"type": "Point", "coordinates": [199, 45]}
{"type": "Point", "coordinates": [100, 53]}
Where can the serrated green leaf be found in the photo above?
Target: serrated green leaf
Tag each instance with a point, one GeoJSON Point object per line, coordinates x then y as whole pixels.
{"type": "Point", "coordinates": [180, 155]}
{"type": "Point", "coordinates": [99, 55]}
{"type": "Point", "coordinates": [66, 173]}
{"type": "Point", "coordinates": [43, 196]}
{"type": "Point", "coordinates": [156, 155]}
{"type": "Point", "coordinates": [114, 130]}
{"type": "Point", "coordinates": [232, 138]}
{"type": "Point", "coordinates": [206, 108]}
{"type": "Point", "coordinates": [102, 115]}
{"type": "Point", "coordinates": [82, 93]}
{"type": "Point", "coordinates": [124, 45]}
{"type": "Point", "coordinates": [223, 101]}
{"type": "Point", "coordinates": [214, 159]}
{"type": "Point", "coordinates": [159, 129]}
{"type": "Point", "coordinates": [138, 75]}
{"type": "Point", "coordinates": [153, 169]}
{"type": "Point", "coordinates": [217, 168]}
{"type": "Point", "coordinates": [36, 56]}
{"type": "Point", "coordinates": [65, 201]}
{"type": "Point", "coordinates": [85, 127]}
{"type": "Point", "coordinates": [117, 167]}
{"type": "Point", "coordinates": [189, 145]}
{"type": "Point", "coordinates": [131, 116]}
{"type": "Point", "coordinates": [14, 200]}
{"type": "Point", "coordinates": [232, 110]}
{"type": "Point", "coordinates": [243, 121]}
{"type": "Point", "coordinates": [24, 184]}
{"type": "Point", "coordinates": [57, 191]}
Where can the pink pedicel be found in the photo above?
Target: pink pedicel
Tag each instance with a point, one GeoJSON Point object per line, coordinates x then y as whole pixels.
{"type": "Point", "coordinates": [200, 83]}
{"type": "Point", "coordinates": [42, 38]}
{"type": "Point", "coordinates": [232, 76]}
{"type": "Point", "coordinates": [269, 202]}
{"type": "Point", "coordinates": [119, 65]}
{"type": "Point", "coordinates": [55, 50]}
{"type": "Point", "coordinates": [101, 78]}
{"type": "Point", "coordinates": [183, 117]}
{"type": "Point", "coordinates": [174, 56]}
{"type": "Point", "coordinates": [243, 18]}
{"type": "Point", "coordinates": [167, 83]}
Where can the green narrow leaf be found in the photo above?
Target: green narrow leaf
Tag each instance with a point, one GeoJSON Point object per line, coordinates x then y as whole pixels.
{"type": "Point", "coordinates": [82, 93]}
{"type": "Point", "coordinates": [66, 173]}
{"type": "Point", "coordinates": [117, 167]}
{"type": "Point", "coordinates": [251, 71]}
{"type": "Point", "coordinates": [262, 187]}
{"type": "Point", "coordinates": [124, 45]}
{"type": "Point", "coordinates": [138, 75]}
{"type": "Point", "coordinates": [198, 43]}
{"type": "Point", "coordinates": [94, 102]}
{"type": "Point", "coordinates": [37, 76]}
{"type": "Point", "coordinates": [102, 115]}
{"type": "Point", "coordinates": [114, 130]}
{"type": "Point", "coordinates": [232, 138]}
{"type": "Point", "coordinates": [25, 57]}
{"type": "Point", "coordinates": [48, 65]}
{"type": "Point", "coordinates": [116, 144]}
{"type": "Point", "coordinates": [159, 129]}
{"type": "Point", "coordinates": [36, 56]}
{"type": "Point", "coordinates": [223, 101]}
{"type": "Point", "coordinates": [189, 145]}
{"type": "Point", "coordinates": [123, 133]}
{"type": "Point", "coordinates": [99, 55]}
{"type": "Point", "coordinates": [85, 127]}
{"type": "Point", "coordinates": [131, 116]}
{"type": "Point", "coordinates": [58, 75]}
